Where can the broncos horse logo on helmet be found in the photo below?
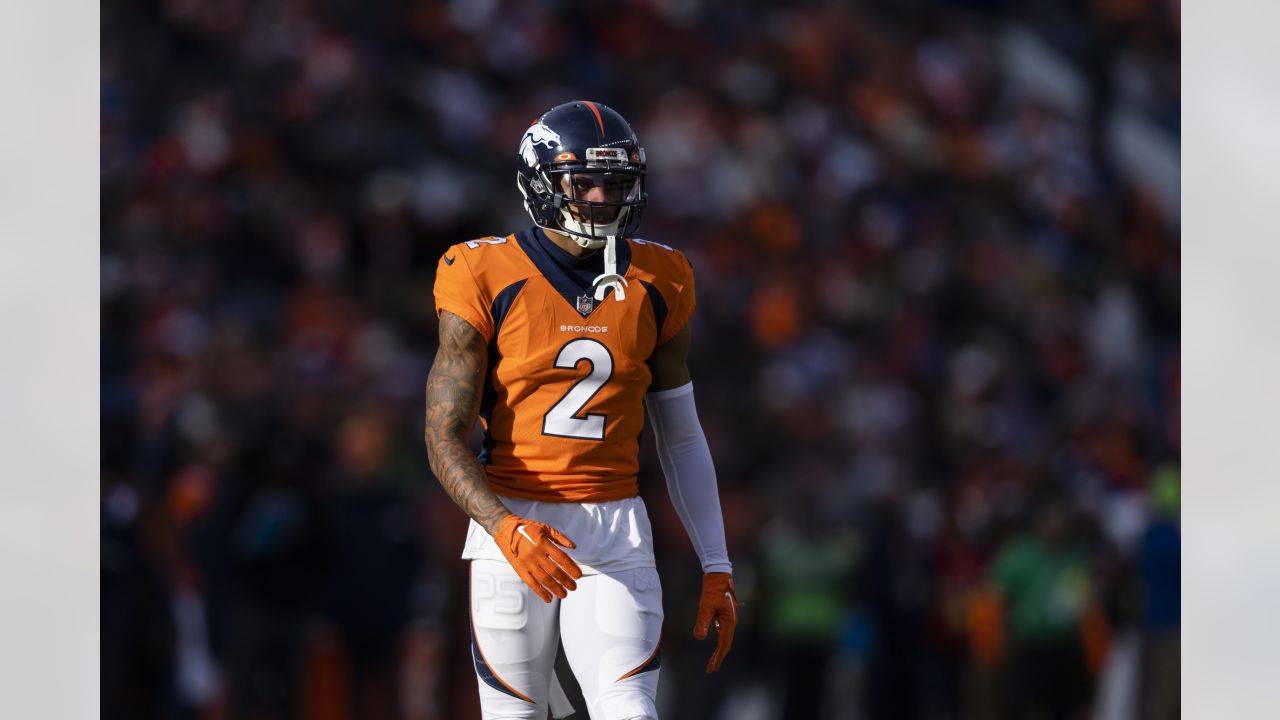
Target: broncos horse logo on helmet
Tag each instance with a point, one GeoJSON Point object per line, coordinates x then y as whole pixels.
{"type": "Point", "coordinates": [582, 144]}
{"type": "Point", "coordinates": [537, 134]}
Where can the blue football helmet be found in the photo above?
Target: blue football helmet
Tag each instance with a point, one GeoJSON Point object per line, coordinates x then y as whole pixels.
{"type": "Point", "coordinates": [572, 150]}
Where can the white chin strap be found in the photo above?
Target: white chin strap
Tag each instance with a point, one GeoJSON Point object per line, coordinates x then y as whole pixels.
{"type": "Point", "coordinates": [589, 243]}
{"type": "Point", "coordinates": [610, 278]}
{"type": "Point", "coordinates": [582, 232]}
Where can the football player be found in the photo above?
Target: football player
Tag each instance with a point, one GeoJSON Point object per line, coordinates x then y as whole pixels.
{"type": "Point", "coordinates": [559, 338]}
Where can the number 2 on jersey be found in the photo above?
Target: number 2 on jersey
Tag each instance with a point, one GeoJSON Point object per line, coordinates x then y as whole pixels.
{"type": "Point", "coordinates": [562, 419]}
{"type": "Point", "coordinates": [474, 244]}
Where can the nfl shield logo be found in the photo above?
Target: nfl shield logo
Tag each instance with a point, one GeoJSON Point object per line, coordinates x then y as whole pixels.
{"type": "Point", "coordinates": [585, 304]}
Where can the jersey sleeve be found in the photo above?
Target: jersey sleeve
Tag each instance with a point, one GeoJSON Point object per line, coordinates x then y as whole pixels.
{"type": "Point", "coordinates": [679, 296]}
{"type": "Point", "coordinates": [458, 291]}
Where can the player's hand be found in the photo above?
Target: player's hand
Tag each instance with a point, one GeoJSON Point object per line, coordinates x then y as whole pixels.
{"type": "Point", "coordinates": [533, 549]}
{"type": "Point", "coordinates": [718, 605]}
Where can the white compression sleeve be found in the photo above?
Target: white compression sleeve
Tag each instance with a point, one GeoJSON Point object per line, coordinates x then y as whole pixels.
{"type": "Point", "coordinates": [691, 476]}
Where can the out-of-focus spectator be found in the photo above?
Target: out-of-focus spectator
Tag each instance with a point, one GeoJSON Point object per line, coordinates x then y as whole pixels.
{"type": "Point", "coordinates": [898, 587]}
{"type": "Point", "coordinates": [138, 634]}
{"type": "Point", "coordinates": [1162, 621]}
{"type": "Point", "coordinates": [279, 547]}
{"type": "Point", "coordinates": [373, 568]}
{"type": "Point", "coordinates": [805, 569]}
{"type": "Point", "coordinates": [1043, 578]}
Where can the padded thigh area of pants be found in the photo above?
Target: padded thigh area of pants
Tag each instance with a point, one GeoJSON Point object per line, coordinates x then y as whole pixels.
{"type": "Point", "coordinates": [515, 637]}
{"type": "Point", "coordinates": [611, 627]}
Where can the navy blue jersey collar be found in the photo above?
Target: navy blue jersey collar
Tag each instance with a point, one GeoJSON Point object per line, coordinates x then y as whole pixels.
{"type": "Point", "coordinates": [539, 247]}
{"type": "Point", "coordinates": [591, 260]}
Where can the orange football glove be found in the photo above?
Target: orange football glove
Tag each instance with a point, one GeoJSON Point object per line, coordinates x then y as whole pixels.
{"type": "Point", "coordinates": [532, 549]}
{"type": "Point", "coordinates": [719, 603]}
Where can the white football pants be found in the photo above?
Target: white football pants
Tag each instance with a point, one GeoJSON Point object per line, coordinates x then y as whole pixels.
{"type": "Point", "coordinates": [610, 627]}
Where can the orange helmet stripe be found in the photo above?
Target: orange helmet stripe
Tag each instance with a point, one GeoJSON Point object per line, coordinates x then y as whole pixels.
{"type": "Point", "coordinates": [599, 119]}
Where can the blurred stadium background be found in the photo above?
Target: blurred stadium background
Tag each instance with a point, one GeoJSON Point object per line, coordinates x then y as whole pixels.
{"type": "Point", "coordinates": [936, 353]}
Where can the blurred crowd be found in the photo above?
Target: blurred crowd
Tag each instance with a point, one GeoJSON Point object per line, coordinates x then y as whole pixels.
{"type": "Point", "coordinates": [936, 352]}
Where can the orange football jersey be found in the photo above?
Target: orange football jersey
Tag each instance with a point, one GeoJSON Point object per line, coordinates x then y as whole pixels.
{"type": "Point", "coordinates": [563, 399]}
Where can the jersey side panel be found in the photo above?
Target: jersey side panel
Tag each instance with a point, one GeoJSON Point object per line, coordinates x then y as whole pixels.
{"type": "Point", "coordinates": [669, 272]}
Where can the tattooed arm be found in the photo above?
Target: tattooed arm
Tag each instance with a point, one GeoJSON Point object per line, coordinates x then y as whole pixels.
{"type": "Point", "coordinates": [453, 401]}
